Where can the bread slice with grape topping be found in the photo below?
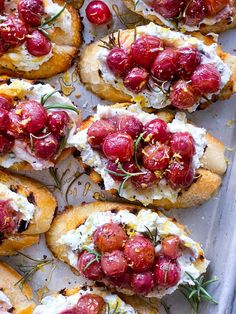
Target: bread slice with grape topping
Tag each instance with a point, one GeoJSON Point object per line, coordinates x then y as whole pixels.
{"type": "Point", "coordinates": [40, 39]}
{"type": "Point", "coordinates": [27, 210]}
{"type": "Point", "coordinates": [158, 159]}
{"type": "Point", "coordinates": [12, 298]}
{"type": "Point", "coordinates": [209, 16]}
{"type": "Point", "coordinates": [158, 68]}
{"type": "Point", "coordinates": [129, 248]}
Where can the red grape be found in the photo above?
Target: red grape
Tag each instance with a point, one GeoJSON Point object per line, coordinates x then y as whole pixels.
{"type": "Point", "coordinates": [47, 147]}
{"type": "Point", "coordinates": [165, 66]}
{"type": "Point", "coordinates": [98, 12]}
{"type": "Point", "coordinates": [4, 120]}
{"type": "Point", "coordinates": [5, 103]}
{"type": "Point", "coordinates": [145, 49]}
{"type": "Point", "coordinates": [156, 130]}
{"type": "Point", "coordinates": [71, 311]}
{"type": "Point", "coordinates": [109, 237]}
{"type": "Point", "coordinates": [57, 122]}
{"type": "Point", "coordinates": [90, 304]}
{"type": "Point", "coordinates": [2, 5]}
{"type": "Point", "coordinates": [129, 125]}
{"type": "Point", "coordinates": [93, 271]}
{"type": "Point", "coordinates": [189, 59]}
{"type": "Point", "coordinates": [6, 144]}
{"type": "Point", "coordinates": [156, 157]}
{"type": "Point", "coordinates": [13, 31]}
{"type": "Point", "coordinates": [180, 175]}
{"type": "Point", "coordinates": [98, 131]}
{"type": "Point", "coordinates": [38, 44]}
{"type": "Point", "coordinates": [16, 127]}
{"type": "Point", "coordinates": [119, 61]}
{"type": "Point", "coordinates": [140, 253]}
{"type": "Point", "coordinates": [31, 11]}
{"type": "Point", "coordinates": [171, 246]}
{"type": "Point", "coordinates": [167, 272]}
{"type": "Point", "coordinates": [8, 217]}
{"type": "Point", "coordinates": [33, 114]}
{"type": "Point", "coordinates": [167, 8]}
{"type": "Point", "coordinates": [182, 143]}
{"type": "Point", "coordinates": [215, 6]}
{"type": "Point", "coordinates": [182, 95]}
{"type": "Point", "coordinates": [206, 79]}
{"type": "Point", "coordinates": [118, 146]}
{"type": "Point", "coordinates": [3, 46]}
{"type": "Point", "coordinates": [136, 80]}
{"type": "Point", "coordinates": [195, 12]}
{"type": "Point", "coordinates": [128, 166]}
{"type": "Point", "coordinates": [122, 281]}
{"type": "Point", "coordinates": [145, 180]}
{"type": "Point", "coordinates": [114, 264]}
{"type": "Point", "coordinates": [142, 283]}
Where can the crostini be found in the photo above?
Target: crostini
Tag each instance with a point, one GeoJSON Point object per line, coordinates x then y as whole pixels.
{"type": "Point", "coordinates": [38, 38]}
{"type": "Point", "coordinates": [26, 210]}
{"type": "Point", "coordinates": [158, 159]}
{"type": "Point", "coordinates": [36, 123]}
{"type": "Point", "coordinates": [188, 15]}
{"type": "Point", "coordinates": [126, 247]}
{"type": "Point", "coordinates": [158, 67]}
{"type": "Point", "coordinates": [13, 299]}
{"type": "Point", "coordinates": [90, 299]}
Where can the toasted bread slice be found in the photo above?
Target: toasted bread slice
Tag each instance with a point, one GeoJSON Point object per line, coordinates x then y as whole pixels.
{"type": "Point", "coordinates": [45, 204]}
{"type": "Point", "coordinates": [65, 48]}
{"type": "Point", "coordinates": [138, 304]}
{"type": "Point", "coordinates": [208, 177]}
{"type": "Point", "coordinates": [91, 75]}
{"type": "Point", "coordinates": [21, 299]}
{"type": "Point", "coordinates": [74, 217]}
{"type": "Point", "coordinates": [223, 25]}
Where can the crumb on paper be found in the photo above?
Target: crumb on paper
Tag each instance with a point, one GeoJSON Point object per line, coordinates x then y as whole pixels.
{"type": "Point", "coordinates": [227, 161]}
{"type": "Point", "coordinates": [230, 149]}
{"type": "Point", "coordinates": [230, 123]}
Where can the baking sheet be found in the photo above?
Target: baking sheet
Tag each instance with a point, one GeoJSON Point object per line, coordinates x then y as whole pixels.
{"type": "Point", "coordinates": [212, 224]}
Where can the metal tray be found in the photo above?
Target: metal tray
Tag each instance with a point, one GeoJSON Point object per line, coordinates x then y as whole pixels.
{"type": "Point", "coordinates": [212, 224]}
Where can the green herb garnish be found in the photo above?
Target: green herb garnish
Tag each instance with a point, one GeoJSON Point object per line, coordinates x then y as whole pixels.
{"type": "Point", "coordinates": [97, 256]}
{"type": "Point", "coordinates": [45, 97]}
{"type": "Point", "coordinates": [53, 171]}
{"type": "Point", "coordinates": [46, 24]}
{"type": "Point", "coordinates": [153, 236]}
{"type": "Point", "coordinates": [197, 293]}
{"type": "Point", "coordinates": [137, 142]}
{"type": "Point", "coordinates": [61, 106]}
{"type": "Point", "coordinates": [111, 43]}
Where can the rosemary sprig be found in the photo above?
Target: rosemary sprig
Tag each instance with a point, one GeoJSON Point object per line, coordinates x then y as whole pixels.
{"type": "Point", "coordinates": [110, 311]}
{"type": "Point", "coordinates": [125, 18]}
{"type": "Point", "coordinates": [32, 137]}
{"type": "Point", "coordinates": [153, 236]}
{"type": "Point", "coordinates": [126, 176]}
{"type": "Point", "coordinates": [165, 306]}
{"type": "Point", "coordinates": [45, 97]}
{"type": "Point", "coordinates": [136, 3]}
{"type": "Point", "coordinates": [197, 293]}
{"type": "Point", "coordinates": [30, 270]}
{"type": "Point", "coordinates": [137, 142]}
{"type": "Point", "coordinates": [61, 106]}
{"type": "Point", "coordinates": [111, 43]}
{"type": "Point", "coordinates": [97, 256]}
{"type": "Point", "coordinates": [53, 171]}
{"type": "Point", "coordinates": [45, 25]}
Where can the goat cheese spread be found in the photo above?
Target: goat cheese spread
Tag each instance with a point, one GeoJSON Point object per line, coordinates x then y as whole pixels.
{"type": "Point", "coordinates": [56, 304]}
{"type": "Point", "coordinates": [82, 236]}
{"type": "Point", "coordinates": [98, 162]}
{"type": "Point", "coordinates": [156, 98]}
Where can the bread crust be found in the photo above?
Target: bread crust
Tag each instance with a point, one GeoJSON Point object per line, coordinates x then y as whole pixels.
{"type": "Point", "coordinates": [208, 176]}
{"type": "Point", "coordinates": [45, 204]}
{"type": "Point", "coordinates": [219, 27]}
{"type": "Point", "coordinates": [21, 299]}
{"type": "Point", "coordinates": [90, 74]}
{"type": "Point", "coordinates": [64, 51]}
{"type": "Point", "coordinates": [140, 305]}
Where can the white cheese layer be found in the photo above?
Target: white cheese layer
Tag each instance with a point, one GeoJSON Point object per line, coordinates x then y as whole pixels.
{"type": "Point", "coordinates": [56, 304]}
{"type": "Point", "coordinates": [77, 239]}
{"type": "Point", "coordinates": [21, 89]}
{"type": "Point", "coordinates": [146, 9]}
{"type": "Point", "coordinates": [18, 202]}
{"type": "Point", "coordinates": [156, 98]}
{"type": "Point", "coordinates": [98, 162]}
{"type": "Point", "coordinates": [5, 303]}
